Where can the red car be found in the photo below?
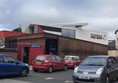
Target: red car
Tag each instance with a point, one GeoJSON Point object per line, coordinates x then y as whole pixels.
{"type": "Point", "coordinates": [72, 61]}
{"type": "Point", "coordinates": [48, 63]}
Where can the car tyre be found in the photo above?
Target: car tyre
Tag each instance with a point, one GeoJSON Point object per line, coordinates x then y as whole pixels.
{"type": "Point", "coordinates": [24, 72]}
{"type": "Point", "coordinates": [76, 82]}
{"type": "Point", "coordinates": [65, 68]}
{"type": "Point", "coordinates": [107, 80]}
{"type": "Point", "coordinates": [74, 66]}
{"type": "Point", "coordinates": [35, 70]}
{"type": "Point", "coordinates": [50, 69]}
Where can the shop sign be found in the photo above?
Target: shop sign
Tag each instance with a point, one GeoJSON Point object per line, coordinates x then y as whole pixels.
{"type": "Point", "coordinates": [35, 45]}
{"type": "Point", "coordinates": [97, 36]}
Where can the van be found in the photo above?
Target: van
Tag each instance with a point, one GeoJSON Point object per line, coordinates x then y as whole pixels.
{"type": "Point", "coordinates": [99, 68]}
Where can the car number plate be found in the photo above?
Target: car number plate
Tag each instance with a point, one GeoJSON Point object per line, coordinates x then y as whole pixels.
{"type": "Point", "coordinates": [82, 77]}
{"type": "Point", "coordinates": [85, 72]}
{"type": "Point", "coordinates": [38, 62]}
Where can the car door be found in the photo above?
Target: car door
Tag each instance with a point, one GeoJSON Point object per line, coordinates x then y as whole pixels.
{"type": "Point", "coordinates": [111, 68]}
{"type": "Point", "coordinates": [10, 65]}
{"type": "Point", "coordinates": [76, 60]}
{"type": "Point", "coordinates": [114, 67]}
{"type": "Point", "coordinates": [54, 62]}
{"type": "Point", "coordinates": [60, 63]}
{"type": "Point", "coordinates": [3, 69]}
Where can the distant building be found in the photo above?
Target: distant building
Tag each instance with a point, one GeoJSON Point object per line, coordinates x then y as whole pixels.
{"type": "Point", "coordinates": [113, 46]}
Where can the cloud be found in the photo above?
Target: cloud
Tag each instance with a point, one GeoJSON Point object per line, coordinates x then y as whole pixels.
{"type": "Point", "coordinates": [101, 15]}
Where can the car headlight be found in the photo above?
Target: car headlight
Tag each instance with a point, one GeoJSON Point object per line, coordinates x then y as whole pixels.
{"type": "Point", "coordinates": [76, 69]}
{"type": "Point", "coordinates": [26, 64]}
{"type": "Point", "coordinates": [99, 71]}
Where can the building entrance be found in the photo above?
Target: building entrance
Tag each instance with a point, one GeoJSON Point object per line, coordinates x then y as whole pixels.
{"type": "Point", "coordinates": [51, 46]}
{"type": "Point", "coordinates": [25, 54]}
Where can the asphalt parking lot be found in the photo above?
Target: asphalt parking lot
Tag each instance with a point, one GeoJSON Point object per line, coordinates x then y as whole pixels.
{"type": "Point", "coordinates": [42, 77]}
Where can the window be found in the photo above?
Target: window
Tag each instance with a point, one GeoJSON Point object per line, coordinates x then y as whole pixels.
{"type": "Point", "coordinates": [67, 58]}
{"type": "Point", "coordinates": [41, 58]}
{"type": "Point", "coordinates": [75, 58]}
{"type": "Point", "coordinates": [8, 59]}
{"type": "Point", "coordinates": [53, 58]}
{"type": "Point", "coordinates": [58, 58]}
{"type": "Point", "coordinates": [68, 33]}
{"type": "Point", "coordinates": [1, 59]}
{"type": "Point", "coordinates": [35, 29]}
{"type": "Point", "coordinates": [95, 61]}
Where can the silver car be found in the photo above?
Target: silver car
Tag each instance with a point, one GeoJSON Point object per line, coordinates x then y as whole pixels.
{"type": "Point", "coordinates": [98, 69]}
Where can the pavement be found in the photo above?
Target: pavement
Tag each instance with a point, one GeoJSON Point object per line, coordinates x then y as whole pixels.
{"type": "Point", "coordinates": [30, 67]}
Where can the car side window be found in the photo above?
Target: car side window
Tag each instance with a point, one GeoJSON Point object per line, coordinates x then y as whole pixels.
{"type": "Point", "coordinates": [8, 59]}
{"type": "Point", "coordinates": [58, 58]}
{"type": "Point", "coordinates": [1, 59]}
{"type": "Point", "coordinates": [53, 58]}
{"type": "Point", "coordinates": [75, 58]}
{"type": "Point", "coordinates": [50, 58]}
{"type": "Point", "coordinates": [112, 62]}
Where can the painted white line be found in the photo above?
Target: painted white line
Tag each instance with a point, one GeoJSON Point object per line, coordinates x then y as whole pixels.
{"type": "Point", "coordinates": [49, 78]}
{"type": "Point", "coordinates": [69, 81]}
{"type": "Point", "coordinates": [12, 81]}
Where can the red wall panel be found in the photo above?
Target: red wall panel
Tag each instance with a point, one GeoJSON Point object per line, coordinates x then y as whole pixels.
{"type": "Point", "coordinates": [34, 52]}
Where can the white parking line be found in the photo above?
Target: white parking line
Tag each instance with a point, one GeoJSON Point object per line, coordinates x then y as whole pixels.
{"type": "Point", "coordinates": [69, 81]}
{"type": "Point", "coordinates": [12, 81]}
{"type": "Point", "coordinates": [49, 78]}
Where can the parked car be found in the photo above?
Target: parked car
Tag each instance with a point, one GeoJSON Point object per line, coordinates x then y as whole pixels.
{"type": "Point", "coordinates": [48, 63]}
{"type": "Point", "coordinates": [9, 65]}
{"type": "Point", "coordinates": [102, 69]}
{"type": "Point", "coordinates": [72, 61]}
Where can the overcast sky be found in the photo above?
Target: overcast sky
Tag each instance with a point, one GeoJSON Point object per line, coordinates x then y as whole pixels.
{"type": "Point", "coordinates": [101, 15]}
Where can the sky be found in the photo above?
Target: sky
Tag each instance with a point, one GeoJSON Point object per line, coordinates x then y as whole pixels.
{"type": "Point", "coordinates": [101, 15]}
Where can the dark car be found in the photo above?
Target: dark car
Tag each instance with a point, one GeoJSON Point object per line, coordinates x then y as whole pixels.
{"type": "Point", "coordinates": [72, 61]}
{"type": "Point", "coordinates": [102, 69]}
{"type": "Point", "coordinates": [9, 65]}
{"type": "Point", "coordinates": [48, 63]}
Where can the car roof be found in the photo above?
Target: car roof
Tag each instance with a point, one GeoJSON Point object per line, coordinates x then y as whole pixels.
{"type": "Point", "coordinates": [4, 55]}
{"type": "Point", "coordinates": [71, 56]}
{"type": "Point", "coordinates": [46, 55]}
{"type": "Point", "coordinates": [99, 56]}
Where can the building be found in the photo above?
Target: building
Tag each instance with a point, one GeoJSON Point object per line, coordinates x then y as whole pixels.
{"type": "Point", "coordinates": [113, 49]}
{"type": "Point", "coordinates": [3, 49]}
{"type": "Point", "coordinates": [69, 30]}
{"type": "Point", "coordinates": [62, 40]}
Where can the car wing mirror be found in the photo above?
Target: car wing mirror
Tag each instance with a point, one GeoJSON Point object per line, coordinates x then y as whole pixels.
{"type": "Point", "coordinates": [108, 65]}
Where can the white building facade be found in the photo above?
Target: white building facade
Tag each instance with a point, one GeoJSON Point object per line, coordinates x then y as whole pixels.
{"type": "Point", "coordinates": [74, 31]}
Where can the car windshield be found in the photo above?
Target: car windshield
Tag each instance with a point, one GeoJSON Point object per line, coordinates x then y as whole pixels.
{"type": "Point", "coordinates": [67, 58]}
{"type": "Point", "coordinates": [95, 61]}
{"type": "Point", "coordinates": [41, 58]}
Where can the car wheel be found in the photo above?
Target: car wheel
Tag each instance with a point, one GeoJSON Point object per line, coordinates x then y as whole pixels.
{"type": "Point", "coordinates": [35, 70]}
{"type": "Point", "coordinates": [107, 80]}
{"type": "Point", "coordinates": [76, 82]}
{"type": "Point", "coordinates": [50, 69]}
{"type": "Point", "coordinates": [74, 66]}
{"type": "Point", "coordinates": [24, 72]}
{"type": "Point", "coordinates": [65, 67]}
